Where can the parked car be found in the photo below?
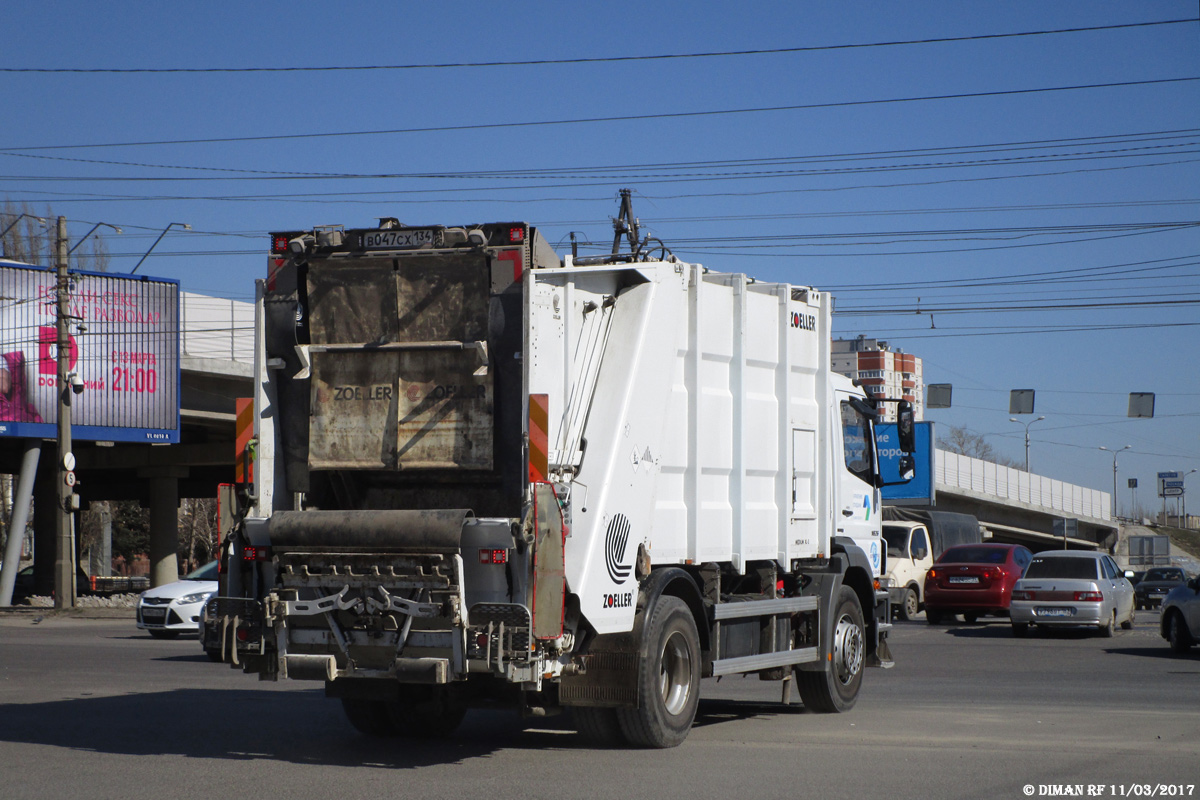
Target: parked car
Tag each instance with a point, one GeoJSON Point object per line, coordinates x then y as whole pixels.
{"type": "Point", "coordinates": [167, 611]}
{"type": "Point", "coordinates": [1180, 621]}
{"type": "Point", "coordinates": [23, 585]}
{"type": "Point", "coordinates": [973, 580]}
{"type": "Point", "coordinates": [1154, 585]}
{"type": "Point", "coordinates": [1072, 587]}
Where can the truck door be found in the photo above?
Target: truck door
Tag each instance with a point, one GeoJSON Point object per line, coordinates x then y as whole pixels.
{"type": "Point", "coordinates": [856, 507]}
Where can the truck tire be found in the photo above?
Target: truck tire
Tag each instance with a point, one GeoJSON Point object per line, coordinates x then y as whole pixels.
{"type": "Point", "coordinates": [668, 679]}
{"type": "Point", "coordinates": [427, 711]}
{"type": "Point", "coordinates": [598, 727]}
{"type": "Point", "coordinates": [911, 605]}
{"type": "Point", "coordinates": [835, 689]}
{"type": "Point", "coordinates": [368, 716]}
{"type": "Point", "coordinates": [421, 711]}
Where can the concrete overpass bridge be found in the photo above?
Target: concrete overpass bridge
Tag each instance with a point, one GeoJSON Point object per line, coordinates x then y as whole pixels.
{"type": "Point", "coordinates": [1020, 507]}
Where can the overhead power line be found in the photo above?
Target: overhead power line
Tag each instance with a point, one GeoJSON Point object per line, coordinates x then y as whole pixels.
{"type": "Point", "coordinates": [620, 118]}
{"type": "Point", "coordinates": [583, 60]}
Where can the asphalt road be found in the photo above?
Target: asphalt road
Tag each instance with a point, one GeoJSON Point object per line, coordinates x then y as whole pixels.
{"type": "Point", "coordinates": [96, 709]}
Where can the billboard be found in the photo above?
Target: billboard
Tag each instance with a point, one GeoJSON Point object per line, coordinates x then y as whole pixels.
{"type": "Point", "coordinates": [124, 346]}
{"type": "Point", "coordinates": [918, 491]}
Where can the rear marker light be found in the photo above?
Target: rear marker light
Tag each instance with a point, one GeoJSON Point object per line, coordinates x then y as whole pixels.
{"type": "Point", "coordinates": [253, 553]}
{"type": "Point", "coordinates": [516, 235]}
{"type": "Point", "coordinates": [481, 640]}
{"type": "Point", "coordinates": [493, 556]}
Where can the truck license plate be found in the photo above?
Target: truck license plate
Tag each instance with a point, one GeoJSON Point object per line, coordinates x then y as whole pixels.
{"type": "Point", "coordinates": [1055, 612]}
{"type": "Point", "coordinates": [963, 579]}
{"type": "Point", "coordinates": [397, 240]}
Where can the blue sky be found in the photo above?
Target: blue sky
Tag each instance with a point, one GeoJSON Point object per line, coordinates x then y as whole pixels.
{"type": "Point", "coordinates": [925, 183]}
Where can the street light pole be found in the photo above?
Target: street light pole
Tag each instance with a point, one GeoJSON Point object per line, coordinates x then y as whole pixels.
{"type": "Point", "coordinates": [1183, 499]}
{"type": "Point", "coordinates": [1026, 424]}
{"type": "Point", "coordinates": [89, 233]}
{"type": "Point", "coordinates": [1114, 455]}
{"type": "Point", "coordinates": [183, 225]}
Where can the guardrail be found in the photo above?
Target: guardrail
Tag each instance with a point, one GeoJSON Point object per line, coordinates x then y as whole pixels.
{"type": "Point", "coordinates": [963, 472]}
{"type": "Point", "coordinates": [216, 327]}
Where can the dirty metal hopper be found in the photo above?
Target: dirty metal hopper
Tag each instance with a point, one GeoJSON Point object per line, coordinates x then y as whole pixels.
{"type": "Point", "coordinates": [400, 376]}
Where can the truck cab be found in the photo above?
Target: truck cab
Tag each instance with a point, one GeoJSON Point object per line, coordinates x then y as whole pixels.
{"type": "Point", "coordinates": [908, 558]}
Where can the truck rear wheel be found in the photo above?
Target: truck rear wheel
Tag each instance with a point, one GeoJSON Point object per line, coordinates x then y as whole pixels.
{"type": "Point", "coordinates": [598, 726]}
{"type": "Point", "coordinates": [835, 688]}
{"type": "Point", "coordinates": [668, 678]}
{"type": "Point", "coordinates": [368, 716]}
{"type": "Point", "coordinates": [425, 711]}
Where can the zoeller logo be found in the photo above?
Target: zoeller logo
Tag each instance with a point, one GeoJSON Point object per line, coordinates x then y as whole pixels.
{"type": "Point", "coordinates": [615, 541]}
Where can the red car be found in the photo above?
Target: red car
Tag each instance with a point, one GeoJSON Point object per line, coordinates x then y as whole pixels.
{"type": "Point", "coordinates": [973, 580]}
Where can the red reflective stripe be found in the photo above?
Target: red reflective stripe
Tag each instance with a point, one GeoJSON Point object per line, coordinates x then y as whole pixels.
{"type": "Point", "coordinates": [539, 421]}
{"type": "Point", "coordinates": [515, 257]}
{"type": "Point", "coordinates": [243, 464]}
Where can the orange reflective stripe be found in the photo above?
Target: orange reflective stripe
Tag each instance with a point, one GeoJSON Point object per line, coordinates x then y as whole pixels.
{"type": "Point", "coordinates": [243, 464]}
{"type": "Point", "coordinates": [539, 422]}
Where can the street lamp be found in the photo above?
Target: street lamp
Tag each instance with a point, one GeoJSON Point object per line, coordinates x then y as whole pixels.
{"type": "Point", "coordinates": [18, 219]}
{"type": "Point", "coordinates": [183, 225]}
{"type": "Point", "coordinates": [93, 230]}
{"type": "Point", "coordinates": [1183, 499]}
{"type": "Point", "coordinates": [1114, 455]}
{"type": "Point", "coordinates": [1026, 424]}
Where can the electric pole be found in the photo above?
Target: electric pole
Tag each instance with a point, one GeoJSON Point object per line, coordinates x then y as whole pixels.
{"type": "Point", "coordinates": [64, 564]}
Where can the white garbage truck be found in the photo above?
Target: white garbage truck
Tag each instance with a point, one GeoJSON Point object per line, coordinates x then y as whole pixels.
{"type": "Point", "coordinates": [487, 474]}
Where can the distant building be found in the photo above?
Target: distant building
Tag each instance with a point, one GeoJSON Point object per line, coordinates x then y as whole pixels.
{"type": "Point", "coordinates": [882, 372]}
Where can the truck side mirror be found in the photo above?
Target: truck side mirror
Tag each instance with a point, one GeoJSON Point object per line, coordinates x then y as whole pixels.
{"type": "Point", "coordinates": [904, 427]}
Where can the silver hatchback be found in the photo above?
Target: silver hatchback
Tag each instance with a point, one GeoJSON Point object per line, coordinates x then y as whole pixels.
{"type": "Point", "coordinates": [1072, 587]}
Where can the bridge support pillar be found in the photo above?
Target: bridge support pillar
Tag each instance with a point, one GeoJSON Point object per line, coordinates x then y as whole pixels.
{"type": "Point", "coordinates": [164, 522]}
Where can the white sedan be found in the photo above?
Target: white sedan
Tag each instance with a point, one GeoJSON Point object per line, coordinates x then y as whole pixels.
{"type": "Point", "coordinates": [1072, 587]}
{"type": "Point", "coordinates": [167, 611]}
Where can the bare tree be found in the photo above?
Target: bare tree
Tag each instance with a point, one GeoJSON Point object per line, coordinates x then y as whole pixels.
{"type": "Point", "coordinates": [198, 531]}
{"type": "Point", "coordinates": [29, 241]}
{"type": "Point", "coordinates": [958, 439]}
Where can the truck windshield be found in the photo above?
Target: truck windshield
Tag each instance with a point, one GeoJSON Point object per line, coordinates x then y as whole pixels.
{"type": "Point", "coordinates": [855, 430]}
{"type": "Point", "coordinates": [897, 540]}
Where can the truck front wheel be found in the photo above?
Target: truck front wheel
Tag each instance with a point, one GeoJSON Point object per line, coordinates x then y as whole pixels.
{"type": "Point", "coordinates": [911, 605]}
{"type": "Point", "coordinates": [668, 679]}
{"type": "Point", "coordinates": [835, 688]}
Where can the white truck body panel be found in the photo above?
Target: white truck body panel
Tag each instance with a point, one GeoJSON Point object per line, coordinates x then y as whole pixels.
{"type": "Point", "coordinates": [712, 432]}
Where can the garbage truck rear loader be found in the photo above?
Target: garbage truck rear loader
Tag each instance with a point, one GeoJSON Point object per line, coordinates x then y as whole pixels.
{"type": "Point", "coordinates": [484, 474]}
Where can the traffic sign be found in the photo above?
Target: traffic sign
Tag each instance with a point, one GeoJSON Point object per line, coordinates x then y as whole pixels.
{"type": "Point", "coordinates": [1170, 484]}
